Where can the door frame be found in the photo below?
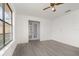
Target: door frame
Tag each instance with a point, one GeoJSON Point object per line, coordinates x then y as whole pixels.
{"type": "Point", "coordinates": [28, 28]}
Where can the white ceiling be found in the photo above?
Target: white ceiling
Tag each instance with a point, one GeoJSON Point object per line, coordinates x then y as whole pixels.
{"type": "Point", "coordinates": [35, 9]}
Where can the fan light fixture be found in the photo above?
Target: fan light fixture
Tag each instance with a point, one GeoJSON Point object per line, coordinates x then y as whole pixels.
{"type": "Point", "coordinates": [52, 9]}
{"type": "Point", "coordinates": [52, 6]}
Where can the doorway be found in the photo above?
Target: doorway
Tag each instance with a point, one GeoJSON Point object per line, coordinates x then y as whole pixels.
{"type": "Point", "coordinates": [34, 30]}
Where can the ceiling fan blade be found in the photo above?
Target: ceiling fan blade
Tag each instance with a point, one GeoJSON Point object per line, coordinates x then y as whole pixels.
{"type": "Point", "coordinates": [46, 8]}
{"type": "Point", "coordinates": [52, 4]}
{"type": "Point", "coordinates": [58, 3]}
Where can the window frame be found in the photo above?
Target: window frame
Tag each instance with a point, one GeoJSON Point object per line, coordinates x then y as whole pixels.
{"type": "Point", "coordinates": [4, 22]}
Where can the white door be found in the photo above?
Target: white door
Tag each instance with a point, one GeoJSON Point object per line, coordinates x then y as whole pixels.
{"type": "Point", "coordinates": [34, 30]}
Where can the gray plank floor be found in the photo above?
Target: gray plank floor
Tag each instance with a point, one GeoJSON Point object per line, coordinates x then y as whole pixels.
{"type": "Point", "coordinates": [45, 48]}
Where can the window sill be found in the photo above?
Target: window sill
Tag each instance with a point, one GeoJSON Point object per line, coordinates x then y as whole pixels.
{"type": "Point", "coordinates": [4, 49]}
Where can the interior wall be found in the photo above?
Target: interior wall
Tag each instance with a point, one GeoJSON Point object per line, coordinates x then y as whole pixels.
{"type": "Point", "coordinates": [20, 35]}
{"type": "Point", "coordinates": [65, 29]}
{"type": "Point", "coordinates": [21, 28]}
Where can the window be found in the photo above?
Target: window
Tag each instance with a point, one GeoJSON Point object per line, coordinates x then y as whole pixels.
{"type": "Point", "coordinates": [8, 23]}
{"type": "Point", "coordinates": [5, 24]}
{"type": "Point", "coordinates": [7, 33]}
{"type": "Point", "coordinates": [1, 27]}
{"type": "Point", "coordinates": [1, 34]}
{"type": "Point", "coordinates": [8, 13]}
{"type": "Point", "coordinates": [1, 11]}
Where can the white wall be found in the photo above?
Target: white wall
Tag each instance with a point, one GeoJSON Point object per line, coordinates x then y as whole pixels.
{"type": "Point", "coordinates": [21, 28]}
{"type": "Point", "coordinates": [66, 29]}
{"type": "Point", "coordinates": [21, 31]}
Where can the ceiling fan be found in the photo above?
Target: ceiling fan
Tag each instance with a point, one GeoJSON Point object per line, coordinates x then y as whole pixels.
{"type": "Point", "coordinates": [52, 6]}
